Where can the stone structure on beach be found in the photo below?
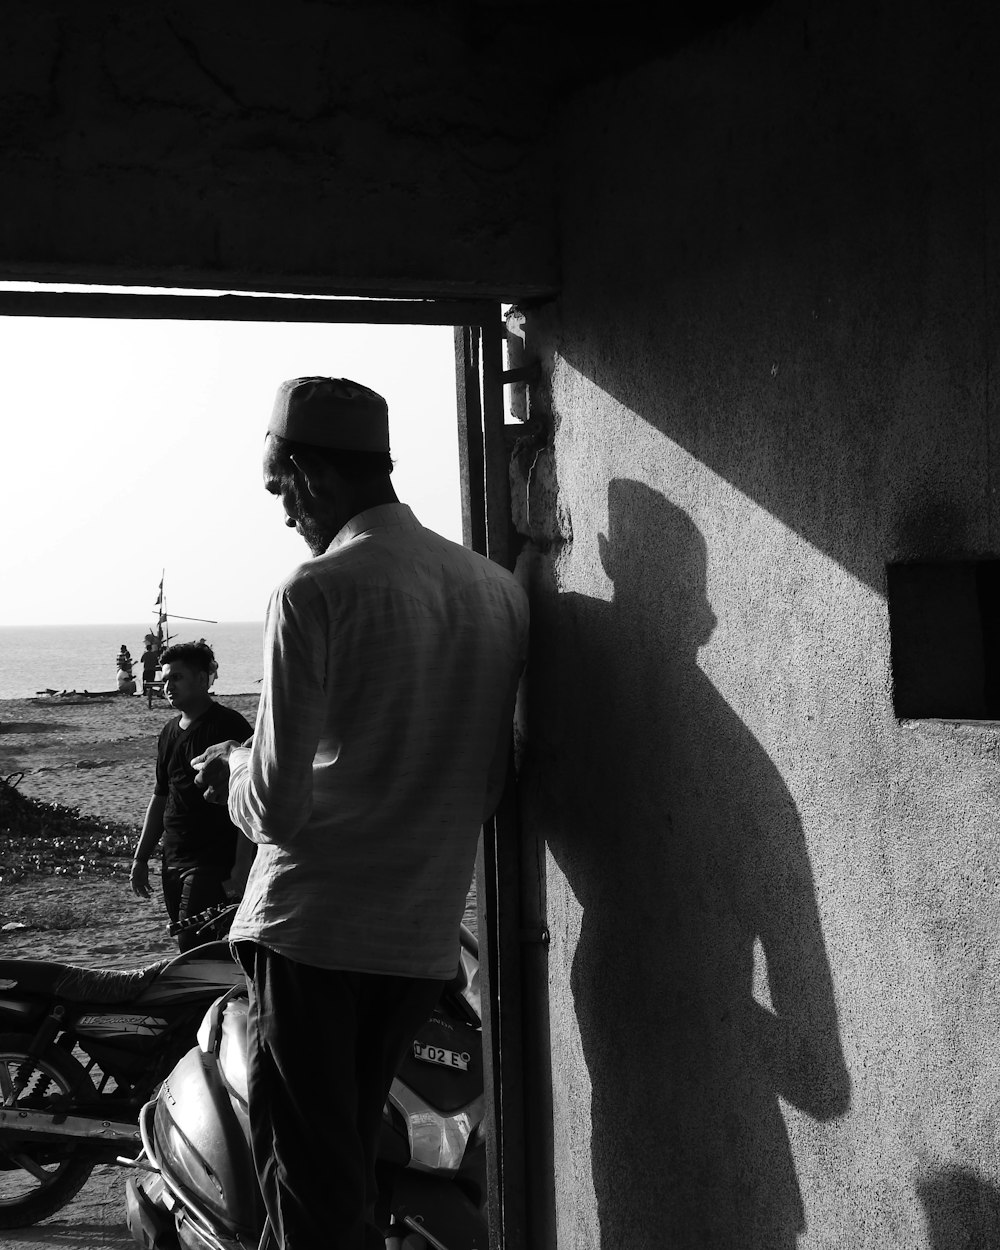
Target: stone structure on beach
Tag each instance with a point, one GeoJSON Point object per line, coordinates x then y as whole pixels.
{"type": "Point", "coordinates": [751, 979]}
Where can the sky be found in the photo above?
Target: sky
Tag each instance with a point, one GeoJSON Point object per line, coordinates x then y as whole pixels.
{"type": "Point", "coordinates": [130, 447]}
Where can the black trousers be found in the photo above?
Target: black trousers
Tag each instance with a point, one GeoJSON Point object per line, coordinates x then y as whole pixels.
{"type": "Point", "coordinates": [187, 891]}
{"type": "Point", "coordinates": [322, 1048]}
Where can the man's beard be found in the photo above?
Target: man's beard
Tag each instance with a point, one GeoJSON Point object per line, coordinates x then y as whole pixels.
{"type": "Point", "coordinates": [317, 538]}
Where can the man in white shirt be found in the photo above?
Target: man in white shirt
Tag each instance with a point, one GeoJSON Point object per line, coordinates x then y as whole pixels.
{"type": "Point", "coordinates": [391, 662]}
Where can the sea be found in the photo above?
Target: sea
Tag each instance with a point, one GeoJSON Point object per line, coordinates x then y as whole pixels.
{"type": "Point", "coordinates": [35, 658]}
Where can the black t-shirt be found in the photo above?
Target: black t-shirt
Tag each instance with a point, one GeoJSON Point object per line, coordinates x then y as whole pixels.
{"type": "Point", "coordinates": [195, 832]}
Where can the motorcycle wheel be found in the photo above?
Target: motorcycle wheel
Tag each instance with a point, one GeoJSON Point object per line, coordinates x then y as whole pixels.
{"type": "Point", "coordinates": [38, 1180]}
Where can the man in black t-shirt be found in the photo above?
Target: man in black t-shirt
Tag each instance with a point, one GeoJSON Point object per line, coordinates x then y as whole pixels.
{"type": "Point", "coordinates": [199, 840]}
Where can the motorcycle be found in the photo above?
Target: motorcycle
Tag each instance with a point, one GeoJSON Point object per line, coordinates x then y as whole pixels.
{"type": "Point", "coordinates": [195, 1187]}
{"type": "Point", "coordinates": [81, 1051]}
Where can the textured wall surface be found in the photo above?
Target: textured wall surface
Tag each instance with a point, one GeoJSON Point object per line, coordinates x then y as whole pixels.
{"type": "Point", "coordinates": [774, 969]}
{"type": "Point", "coordinates": [379, 145]}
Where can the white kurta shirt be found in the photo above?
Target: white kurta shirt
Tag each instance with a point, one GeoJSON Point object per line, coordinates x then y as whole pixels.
{"type": "Point", "coordinates": [390, 668]}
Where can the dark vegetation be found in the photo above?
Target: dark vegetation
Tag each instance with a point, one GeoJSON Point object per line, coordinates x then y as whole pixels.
{"type": "Point", "coordinates": [50, 839]}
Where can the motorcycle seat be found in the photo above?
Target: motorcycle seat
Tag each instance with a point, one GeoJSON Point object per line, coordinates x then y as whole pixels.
{"type": "Point", "coordinates": [73, 984]}
{"type": "Point", "coordinates": [179, 982]}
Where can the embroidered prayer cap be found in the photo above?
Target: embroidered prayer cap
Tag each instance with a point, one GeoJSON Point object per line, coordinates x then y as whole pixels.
{"type": "Point", "coordinates": [331, 412]}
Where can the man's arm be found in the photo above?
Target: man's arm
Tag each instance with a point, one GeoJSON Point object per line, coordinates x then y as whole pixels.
{"type": "Point", "coordinates": [211, 767]}
{"type": "Point", "coordinates": [152, 831]}
{"type": "Point", "coordinates": [497, 776]}
{"type": "Point", "coordinates": [269, 779]}
{"type": "Point", "coordinates": [211, 771]}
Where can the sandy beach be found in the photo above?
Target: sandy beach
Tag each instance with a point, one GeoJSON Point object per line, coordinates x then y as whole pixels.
{"type": "Point", "coordinates": [96, 755]}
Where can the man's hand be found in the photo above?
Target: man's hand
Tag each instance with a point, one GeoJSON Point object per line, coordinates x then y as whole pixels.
{"type": "Point", "coordinates": [211, 770]}
{"type": "Point", "coordinates": [138, 878]}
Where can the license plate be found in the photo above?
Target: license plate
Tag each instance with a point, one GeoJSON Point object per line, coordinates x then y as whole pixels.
{"type": "Point", "coordinates": [438, 1054]}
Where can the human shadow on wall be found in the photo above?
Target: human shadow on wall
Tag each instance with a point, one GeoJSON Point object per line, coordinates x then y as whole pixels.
{"type": "Point", "coordinates": [962, 1209]}
{"type": "Point", "coordinates": [683, 847]}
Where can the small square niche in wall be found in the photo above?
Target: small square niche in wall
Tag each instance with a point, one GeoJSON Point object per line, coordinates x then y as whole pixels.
{"type": "Point", "coordinates": [944, 621]}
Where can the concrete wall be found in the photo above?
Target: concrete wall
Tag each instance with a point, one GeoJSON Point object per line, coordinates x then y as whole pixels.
{"type": "Point", "coordinates": [774, 968]}
{"type": "Point", "coordinates": [276, 144]}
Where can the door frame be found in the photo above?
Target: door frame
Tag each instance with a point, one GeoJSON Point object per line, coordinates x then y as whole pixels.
{"type": "Point", "coordinates": [484, 458]}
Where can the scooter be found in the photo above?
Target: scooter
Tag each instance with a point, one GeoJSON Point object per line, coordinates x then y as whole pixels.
{"type": "Point", "coordinates": [81, 1051]}
{"type": "Point", "coordinates": [195, 1187]}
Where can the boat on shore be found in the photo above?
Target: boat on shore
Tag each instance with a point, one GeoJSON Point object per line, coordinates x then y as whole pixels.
{"type": "Point", "coordinates": [158, 638]}
{"type": "Point", "coordinates": [53, 696]}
